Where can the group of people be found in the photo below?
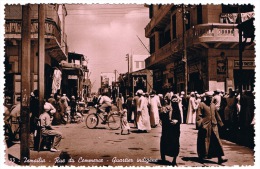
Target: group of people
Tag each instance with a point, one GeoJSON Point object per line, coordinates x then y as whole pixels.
{"type": "Point", "coordinates": [206, 117]}
{"type": "Point", "coordinates": [236, 110]}
{"type": "Point", "coordinates": [206, 112]}
{"type": "Point", "coordinates": [55, 109]}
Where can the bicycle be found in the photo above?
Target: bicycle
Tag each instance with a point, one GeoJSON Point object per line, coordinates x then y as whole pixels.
{"type": "Point", "coordinates": [112, 120]}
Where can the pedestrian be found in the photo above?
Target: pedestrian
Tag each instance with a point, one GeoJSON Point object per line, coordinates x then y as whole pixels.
{"type": "Point", "coordinates": [143, 119]}
{"type": "Point", "coordinates": [155, 104]}
{"type": "Point", "coordinates": [217, 99]}
{"type": "Point", "coordinates": [73, 105]}
{"type": "Point", "coordinates": [7, 124]}
{"type": "Point", "coordinates": [129, 103]}
{"type": "Point", "coordinates": [208, 141]}
{"type": "Point", "coordinates": [66, 100]}
{"type": "Point", "coordinates": [230, 110]}
{"type": "Point", "coordinates": [170, 138]}
{"type": "Point", "coordinates": [34, 109]}
{"type": "Point", "coordinates": [124, 122]}
{"type": "Point", "coordinates": [15, 114]}
{"type": "Point", "coordinates": [120, 101]}
{"type": "Point", "coordinates": [63, 109]}
{"type": "Point", "coordinates": [105, 105]}
{"type": "Point", "coordinates": [192, 108]}
{"type": "Point", "coordinates": [57, 117]}
{"type": "Point", "coordinates": [184, 104]}
{"type": "Point", "coordinates": [45, 120]}
{"type": "Point", "coordinates": [180, 106]}
{"type": "Point", "coordinates": [51, 99]}
{"type": "Point", "coordinates": [247, 109]}
{"type": "Point", "coordinates": [135, 102]}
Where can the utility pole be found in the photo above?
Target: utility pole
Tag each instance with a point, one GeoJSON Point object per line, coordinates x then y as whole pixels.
{"type": "Point", "coordinates": [41, 57]}
{"type": "Point", "coordinates": [240, 53]}
{"type": "Point", "coordinates": [185, 60]}
{"type": "Point", "coordinates": [128, 75]}
{"type": "Point", "coordinates": [25, 84]}
{"type": "Point", "coordinates": [115, 77]}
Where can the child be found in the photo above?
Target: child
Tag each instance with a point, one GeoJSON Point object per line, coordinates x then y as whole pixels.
{"type": "Point", "coordinates": [124, 123]}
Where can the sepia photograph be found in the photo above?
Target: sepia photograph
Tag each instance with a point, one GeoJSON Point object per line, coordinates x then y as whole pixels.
{"type": "Point", "coordinates": [129, 84]}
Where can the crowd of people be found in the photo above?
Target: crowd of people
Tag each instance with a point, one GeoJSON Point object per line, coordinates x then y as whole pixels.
{"type": "Point", "coordinates": [57, 110]}
{"type": "Point", "coordinates": [208, 112]}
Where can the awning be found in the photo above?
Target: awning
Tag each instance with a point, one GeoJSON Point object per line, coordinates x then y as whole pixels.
{"type": "Point", "coordinates": [55, 51]}
{"type": "Point", "coordinates": [71, 68]}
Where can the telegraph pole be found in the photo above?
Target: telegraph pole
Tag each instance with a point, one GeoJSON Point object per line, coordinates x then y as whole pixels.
{"type": "Point", "coordinates": [185, 60]}
{"type": "Point", "coordinates": [240, 53]}
{"type": "Point", "coordinates": [25, 84]}
{"type": "Point", "coordinates": [41, 59]}
{"type": "Point", "coordinates": [128, 75]}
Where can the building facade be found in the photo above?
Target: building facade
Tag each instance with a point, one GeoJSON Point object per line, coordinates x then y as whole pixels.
{"type": "Point", "coordinates": [75, 80]}
{"type": "Point", "coordinates": [56, 48]}
{"type": "Point", "coordinates": [209, 36]}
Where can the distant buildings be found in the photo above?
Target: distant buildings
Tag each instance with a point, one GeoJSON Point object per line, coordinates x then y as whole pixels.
{"type": "Point", "coordinates": [138, 77]}
{"type": "Point", "coordinates": [212, 47]}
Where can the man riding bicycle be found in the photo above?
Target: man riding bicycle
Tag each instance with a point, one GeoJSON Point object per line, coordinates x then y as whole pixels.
{"type": "Point", "coordinates": [105, 104]}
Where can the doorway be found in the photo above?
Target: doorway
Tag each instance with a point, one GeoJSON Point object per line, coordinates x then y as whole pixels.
{"type": "Point", "coordinates": [247, 80]}
{"type": "Point", "coordinates": [195, 82]}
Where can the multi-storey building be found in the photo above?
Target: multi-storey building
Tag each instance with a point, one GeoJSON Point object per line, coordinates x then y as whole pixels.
{"type": "Point", "coordinates": [210, 37]}
{"type": "Point", "coordinates": [141, 78]}
{"type": "Point", "coordinates": [75, 81]}
{"type": "Point", "coordinates": [55, 47]}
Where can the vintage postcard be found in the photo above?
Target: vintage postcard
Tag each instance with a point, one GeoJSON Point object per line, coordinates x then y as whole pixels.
{"type": "Point", "coordinates": [129, 84]}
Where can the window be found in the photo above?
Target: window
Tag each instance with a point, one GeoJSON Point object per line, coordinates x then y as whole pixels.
{"type": "Point", "coordinates": [165, 37]}
{"type": "Point", "coordinates": [143, 64]}
{"type": "Point", "coordinates": [174, 34]}
{"type": "Point", "coordinates": [150, 11]}
{"type": "Point", "coordinates": [137, 64]}
{"type": "Point", "coordinates": [152, 44]}
{"type": "Point", "coordinates": [199, 14]}
{"type": "Point", "coordinates": [187, 22]}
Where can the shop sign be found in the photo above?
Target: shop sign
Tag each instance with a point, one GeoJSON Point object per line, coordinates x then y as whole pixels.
{"type": "Point", "coordinates": [245, 63]}
{"type": "Point", "coordinates": [221, 66]}
{"type": "Point", "coordinates": [72, 77]}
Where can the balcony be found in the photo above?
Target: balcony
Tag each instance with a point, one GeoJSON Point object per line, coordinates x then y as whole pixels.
{"type": "Point", "coordinates": [215, 33]}
{"type": "Point", "coordinates": [202, 36]}
{"type": "Point", "coordinates": [13, 29]}
{"type": "Point", "coordinates": [159, 20]}
{"type": "Point", "coordinates": [54, 45]}
{"type": "Point", "coordinates": [165, 54]}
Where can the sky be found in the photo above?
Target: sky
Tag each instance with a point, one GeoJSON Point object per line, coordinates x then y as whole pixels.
{"type": "Point", "coordinates": [105, 33]}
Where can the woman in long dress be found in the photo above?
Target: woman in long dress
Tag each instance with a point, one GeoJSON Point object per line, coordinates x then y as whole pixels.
{"type": "Point", "coordinates": [155, 103]}
{"type": "Point", "coordinates": [170, 139]}
{"type": "Point", "coordinates": [143, 119]}
{"type": "Point", "coordinates": [192, 107]}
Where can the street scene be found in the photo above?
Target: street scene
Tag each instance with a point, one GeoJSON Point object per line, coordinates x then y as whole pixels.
{"type": "Point", "coordinates": [105, 147]}
{"type": "Point", "coordinates": [129, 85]}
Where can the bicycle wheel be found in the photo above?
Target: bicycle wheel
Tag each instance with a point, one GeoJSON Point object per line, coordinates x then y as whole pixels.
{"type": "Point", "coordinates": [114, 121]}
{"type": "Point", "coordinates": [91, 121]}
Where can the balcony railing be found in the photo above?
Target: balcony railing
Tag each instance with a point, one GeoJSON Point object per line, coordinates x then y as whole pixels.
{"type": "Point", "coordinates": [51, 29]}
{"type": "Point", "coordinates": [204, 33]}
{"type": "Point", "coordinates": [161, 13]}
{"type": "Point", "coordinates": [215, 32]}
